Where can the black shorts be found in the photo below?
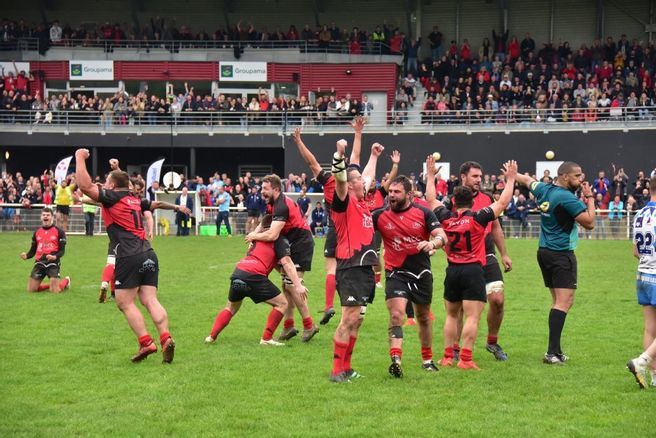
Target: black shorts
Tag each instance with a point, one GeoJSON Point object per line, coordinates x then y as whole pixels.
{"type": "Point", "coordinates": [464, 282]}
{"type": "Point", "coordinates": [302, 251]}
{"type": "Point", "coordinates": [330, 245]}
{"type": "Point", "coordinates": [137, 270]}
{"type": "Point", "coordinates": [253, 213]}
{"type": "Point", "coordinates": [558, 268]}
{"type": "Point", "coordinates": [492, 269]}
{"type": "Point", "coordinates": [418, 290]}
{"type": "Point", "coordinates": [254, 286]}
{"type": "Point", "coordinates": [45, 269]}
{"type": "Point", "coordinates": [356, 286]}
{"type": "Point", "coordinates": [378, 241]}
{"type": "Point", "coordinates": [64, 209]}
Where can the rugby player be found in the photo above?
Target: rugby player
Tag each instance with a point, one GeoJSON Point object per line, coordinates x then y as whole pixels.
{"type": "Point", "coordinates": [137, 266]}
{"type": "Point", "coordinates": [329, 186]}
{"type": "Point", "coordinates": [644, 248]}
{"type": "Point", "coordinates": [288, 221]}
{"type": "Point", "coordinates": [48, 248]}
{"type": "Point", "coordinates": [471, 174]}
{"type": "Point", "coordinates": [560, 212]}
{"type": "Point", "coordinates": [355, 254]}
{"type": "Point", "coordinates": [464, 285]}
{"type": "Point", "coordinates": [251, 279]}
{"type": "Point", "coordinates": [411, 233]}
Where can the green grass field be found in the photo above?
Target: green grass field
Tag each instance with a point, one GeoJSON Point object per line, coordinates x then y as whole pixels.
{"type": "Point", "coordinates": [65, 368]}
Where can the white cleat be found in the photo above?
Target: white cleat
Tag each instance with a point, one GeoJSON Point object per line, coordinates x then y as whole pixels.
{"type": "Point", "coordinates": [209, 340]}
{"type": "Point", "coordinates": [639, 370]}
{"type": "Point", "coordinates": [379, 285]}
{"type": "Point", "coordinates": [68, 285]}
{"type": "Point", "coordinates": [272, 343]}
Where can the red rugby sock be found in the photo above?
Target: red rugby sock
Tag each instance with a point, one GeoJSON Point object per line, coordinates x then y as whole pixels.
{"type": "Point", "coordinates": [349, 352]}
{"type": "Point", "coordinates": [330, 291]}
{"type": "Point", "coordinates": [273, 321]}
{"type": "Point", "coordinates": [339, 353]}
{"type": "Point", "coordinates": [308, 323]}
{"type": "Point", "coordinates": [289, 323]}
{"type": "Point", "coordinates": [426, 353]}
{"type": "Point", "coordinates": [222, 320]}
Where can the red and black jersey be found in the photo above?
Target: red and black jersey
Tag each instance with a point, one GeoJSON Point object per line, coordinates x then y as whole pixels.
{"type": "Point", "coordinates": [327, 180]}
{"type": "Point", "coordinates": [420, 202]}
{"type": "Point", "coordinates": [47, 241]}
{"type": "Point", "coordinates": [375, 199]}
{"type": "Point", "coordinates": [466, 234]}
{"type": "Point", "coordinates": [355, 232]}
{"type": "Point", "coordinates": [262, 257]}
{"type": "Point", "coordinates": [123, 215]}
{"type": "Point", "coordinates": [402, 231]}
{"type": "Point", "coordinates": [296, 227]}
{"type": "Point", "coordinates": [481, 200]}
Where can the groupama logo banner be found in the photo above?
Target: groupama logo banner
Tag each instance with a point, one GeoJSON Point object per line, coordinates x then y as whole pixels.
{"type": "Point", "coordinates": [91, 70]}
{"type": "Point", "coordinates": [243, 71]}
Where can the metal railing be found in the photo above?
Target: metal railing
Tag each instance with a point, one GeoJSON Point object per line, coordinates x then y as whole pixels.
{"type": "Point", "coordinates": [609, 225]}
{"type": "Point", "coordinates": [176, 46]}
{"type": "Point", "coordinates": [287, 120]}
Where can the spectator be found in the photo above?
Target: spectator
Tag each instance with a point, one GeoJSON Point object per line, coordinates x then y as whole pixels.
{"type": "Point", "coordinates": [182, 220]}
{"type": "Point", "coordinates": [318, 220]}
{"type": "Point", "coordinates": [223, 200]}
{"type": "Point", "coordinates": [55, 32]}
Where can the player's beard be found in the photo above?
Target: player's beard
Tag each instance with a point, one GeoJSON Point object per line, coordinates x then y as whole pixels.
{"type": "Point", "coordinates": [397, 205]}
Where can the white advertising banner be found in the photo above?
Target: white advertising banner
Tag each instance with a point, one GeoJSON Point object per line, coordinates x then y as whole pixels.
{"type": "Point", "coordinates": [243, 71]}
{"type": "Point", "coordinates": [91, 70]}
{"type": "Point", "coordinates": [551, 166]}
{"type": "Point", "coordinates": [8, 67]}
{"type": "Point", "coordinates": [62, 169]}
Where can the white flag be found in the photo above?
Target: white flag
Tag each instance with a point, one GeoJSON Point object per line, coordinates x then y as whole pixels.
{"type": "Point", "coordinates": [62, 169]}
{"type": "Point", "coordinates": [153, 174]}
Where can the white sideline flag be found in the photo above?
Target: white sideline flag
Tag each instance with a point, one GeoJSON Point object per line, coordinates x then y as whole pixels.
{"type": "Point", "coordinates": [154, 172]}
{"type": "Point", "coordinates": [62, 169]}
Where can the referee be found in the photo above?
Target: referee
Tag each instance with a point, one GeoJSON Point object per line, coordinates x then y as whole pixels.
{"type": "Point", "coordinates": [560, 211]}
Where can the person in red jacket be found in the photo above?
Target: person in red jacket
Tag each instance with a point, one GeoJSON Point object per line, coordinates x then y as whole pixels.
{"type": "Point", "coordinates": [48, 247]}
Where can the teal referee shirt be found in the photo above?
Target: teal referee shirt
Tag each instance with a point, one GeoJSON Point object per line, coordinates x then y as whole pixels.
{"type": "Point", "coordinates": [558, 208]}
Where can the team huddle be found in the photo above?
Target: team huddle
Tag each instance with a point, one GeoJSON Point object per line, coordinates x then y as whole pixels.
{"type": "Point", "coordinates": [412, 230]}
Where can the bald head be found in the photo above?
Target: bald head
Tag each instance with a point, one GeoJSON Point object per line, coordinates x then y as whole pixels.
{"type": "Point", "coordinates": [567, 167]}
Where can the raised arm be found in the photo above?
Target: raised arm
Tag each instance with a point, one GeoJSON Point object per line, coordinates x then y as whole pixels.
{"type": "Point", "coordinates": [587, 218]}
{"type": "Point", "coordinates": [431, 194]}
{"type": "Point", "coordinates": [308, 156]}
{"type": "Point", "coordinates": [358, 126]}
{"type": "Point", "coordinates": [369, 172]}
{"type": "Point", "coordinates": [82, 177]}
{"type": "Point", "coordinates": [161, 205]}
{"type": "Point", "coordinates": [396, 159]}
{"type": "Point", "coordinates": [339, 171]}
{"type": "Point", "coordinates": [524, 180]}
{"type": "Point", "coordinates": [510, 172]}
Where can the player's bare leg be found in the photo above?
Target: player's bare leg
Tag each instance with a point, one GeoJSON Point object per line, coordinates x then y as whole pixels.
{"type": "Point", "coordinates": [562, 301]}
{"type": "Point", "coordinates": [222, 320]}
{"type": "Point", "coordinates": [279, 304]}
{"type": "Point", "coordinates": [148, 297]}
{"type": "Point", "coordinates": [329, 309]}
{"type": "Point", "coordinates": [645, 364]}
{"type": "Point", "coordinates": [344, 342]}
{"type": "Point", "coordinates": [425, 329]}
{"type": "Point", "coordinates": [451, 332]}
{"type": "Point", "coordinates": [396, 308]}
{"type": "Point", "coordinates": [288, 329]}
{"type": "Point", "coordinates": [495, 311]}
{"type": "Point", "coordinates": [309, 327]}
{"type": "Point", "coordinates": [34, 285]}
{"type": "Point", "coordinates": [125, 301]}
{"type": "Point", "coordinates": [456, 341]}
{"type": "Point", "coordinates": [57, 286]}
{"type": "Point", "coordinates": [472, 310]}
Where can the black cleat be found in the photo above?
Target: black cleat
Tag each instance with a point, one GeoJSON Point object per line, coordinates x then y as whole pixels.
{"type": "Point", "coordinates": [327, 315]}
{"type": "Point", "coordinates": [287, 334]}
{"type": "Point", "coordinates": [497, 351]}
{"type": "Point", "coordinates": [395, 368]}
{"type": "Point", "coordinates": [430, 367]}
{"type": "Point", "coordinates": [342, 377]}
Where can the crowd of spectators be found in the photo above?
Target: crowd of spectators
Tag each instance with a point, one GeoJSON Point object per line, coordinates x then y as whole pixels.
{"type": "Point", "coordinates": [508, 80]}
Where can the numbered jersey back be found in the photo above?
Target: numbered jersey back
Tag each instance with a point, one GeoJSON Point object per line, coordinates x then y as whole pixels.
{"type": "Point", "coordinates": [466, 233]}
{"type": "Point", "coordinates": [644, 233]}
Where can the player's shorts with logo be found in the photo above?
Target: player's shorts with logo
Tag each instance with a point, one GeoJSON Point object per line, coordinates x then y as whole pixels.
{"type": "Point", "coordinates": [257, 287]}
{"type": "Point", "coordinates": [136, 270]}
{"type": "Point", "coordinates": [302, 251]}
{"type": "Point", "coordinates": [418, 290]}
{"type": "Point", "coordinates": [331, 243]}
{"type": "Point", "coordinates": [646, 289]}
{"type": "Point", "coordinates": [45, 269]}
{"type": "Point", "coordinates": [558, 268]}
{"type": "Point", "coordinates": [356, 286]}
{"type": "Point", "coordinates": [492, 269]}
{"type": "Point", "coordinates": [464, 282]}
